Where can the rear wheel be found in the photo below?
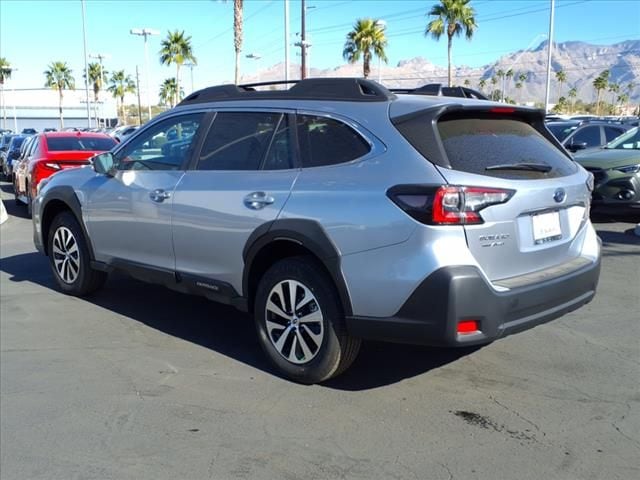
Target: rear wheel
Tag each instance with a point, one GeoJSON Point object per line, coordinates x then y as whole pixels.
{"type": "Point", "coordinates": [300, 322]}
{"type": "Point", "coordinates": [69, 257]}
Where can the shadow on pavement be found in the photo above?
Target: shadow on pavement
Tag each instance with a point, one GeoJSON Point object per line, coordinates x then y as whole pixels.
{"type": "Point", "coordinates": [227, 331]}
{"type": "Point", "coordinates": [625, 238]}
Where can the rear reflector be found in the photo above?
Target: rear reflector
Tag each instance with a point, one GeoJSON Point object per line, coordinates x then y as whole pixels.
{"type": "Point", "coordinates": [466, 327]}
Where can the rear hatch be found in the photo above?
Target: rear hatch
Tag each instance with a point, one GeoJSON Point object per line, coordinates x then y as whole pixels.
{"type": "Point", "coordinates": [523, 200]}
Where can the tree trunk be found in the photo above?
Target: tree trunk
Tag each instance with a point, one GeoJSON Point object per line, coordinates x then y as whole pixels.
{"type": "Point", "coordinates": [598, 103]}
{"type": "Point", "coordinates": [449, 42]}
{"type": "Point", "coordinates": [366, 64]}
{"type": "Point", "coordinates": [237, 34]}
{"type": "Point", "coordinates": [177, 95]}
{"type": "Point", "coordinates": [60, 109]}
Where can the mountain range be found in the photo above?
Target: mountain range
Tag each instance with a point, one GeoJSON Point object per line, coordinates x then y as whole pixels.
{"type": "Point", "coordinates": [582, 63]}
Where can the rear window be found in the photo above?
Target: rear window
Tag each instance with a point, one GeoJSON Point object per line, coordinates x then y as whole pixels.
{"type": "Point", "coordinates": [62, 144]}
{"type": "Point", "coordinates": [16, 142]}
{"type": "Point", "coordinates": [475, 145]}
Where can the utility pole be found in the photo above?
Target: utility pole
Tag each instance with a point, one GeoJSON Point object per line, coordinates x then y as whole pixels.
{"type": "Point", "coordinates": [146, 32]}
{"type": "Point", "coordinates": [138, 90]}
{"type": "Point", "coordinates": [286, 40]}
{"type": "Point", "coordinates": [303, 43]}
{"type": "Point", "coordinates": [100, 57]}
{"type": "Point", "coordinates": [86, 68]}
{"type": "Point", "coordinates": [549, 49]}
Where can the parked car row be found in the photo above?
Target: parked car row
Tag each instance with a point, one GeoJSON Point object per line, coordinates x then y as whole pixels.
{"type": "Point", "coordinates": [608, 147]}
{"type": "Point", "coordinates": [44, 154]}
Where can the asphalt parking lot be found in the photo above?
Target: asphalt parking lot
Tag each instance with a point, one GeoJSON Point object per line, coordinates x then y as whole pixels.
{"type": "Point", "coordinates": [140, 382]}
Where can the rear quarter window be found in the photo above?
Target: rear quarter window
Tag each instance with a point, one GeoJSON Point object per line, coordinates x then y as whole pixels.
{"type": "Point", "coordinates": [473, 144]}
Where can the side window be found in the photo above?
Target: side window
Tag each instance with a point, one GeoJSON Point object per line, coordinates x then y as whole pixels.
{"type": "Point", "coordinates": [324, 141]}
{"type": "Point", "coordinates": [590, 135]}
{"type": "Point", "coordinates": [238, 140]}
{"type": "Point", "coordinates": [279, 156]}
{"type": "Point", "coordinates": [612, 133]}
{"type": "Point", "coordinates": [165, 146]}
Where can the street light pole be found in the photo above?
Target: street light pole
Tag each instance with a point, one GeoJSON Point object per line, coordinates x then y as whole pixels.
{"type": "Point", "coordinates": [190, 65]}
{"type": "Point", "coordinates": [549, 49]}
{"type": "Point", "coordinates": [146, 32]}
{"type": "Point", "coordinates": [383, 26]}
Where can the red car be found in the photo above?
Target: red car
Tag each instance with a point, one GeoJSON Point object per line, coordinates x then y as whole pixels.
{"type": "Point", "coordinates": [55, 151]}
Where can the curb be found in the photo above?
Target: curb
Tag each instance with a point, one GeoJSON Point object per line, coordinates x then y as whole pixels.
{"type": "Point", "coordinates": [3, 212]}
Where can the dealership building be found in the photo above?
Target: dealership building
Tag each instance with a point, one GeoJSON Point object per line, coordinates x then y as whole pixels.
{"type": "Point", "coordinates": [38, 108]}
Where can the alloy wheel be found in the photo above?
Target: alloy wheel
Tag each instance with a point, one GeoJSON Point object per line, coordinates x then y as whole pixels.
{"type": "Point", "coordinates": [66, 255]}
{"type": "Point", "coordinates": [294, 321]}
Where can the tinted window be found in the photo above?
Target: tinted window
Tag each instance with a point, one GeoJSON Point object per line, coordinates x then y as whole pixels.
{"type": "Point", "coordinates": [324, 141]}
{"type": "Point", "coordinates": [164, 146]}
{"type": "Point", "coordinates": [16, 142]}
{"type": "Point", "coordinates": [473, 144]}
{"type": "Point", "coordinates": [238, 140]}
{"type": "Point", "coordinates": [279, 156]}
{"type": "Point", "coordinates": [62, 144]}
{"type": "Point", "coordinates": [612, 133]}
{"type": "Point", "coordinates": [589, 135]}
{"type": "Point", "coordinates": [562, 131]}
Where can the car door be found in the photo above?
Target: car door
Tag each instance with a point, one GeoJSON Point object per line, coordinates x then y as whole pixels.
{"type": "Point", "coordinates": [241, 179]}
{"type": "Point", "coordinates": [129, 213]}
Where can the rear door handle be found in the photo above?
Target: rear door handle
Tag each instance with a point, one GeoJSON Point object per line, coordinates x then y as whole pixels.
{"type": "Point", "coordinates": [258, 200]}
{"type": "Point", "coordinates": [159, 195]}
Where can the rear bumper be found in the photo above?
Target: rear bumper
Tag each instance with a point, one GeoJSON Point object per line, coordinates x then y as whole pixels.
{"type": "Point", "coordinates": [431, 314]}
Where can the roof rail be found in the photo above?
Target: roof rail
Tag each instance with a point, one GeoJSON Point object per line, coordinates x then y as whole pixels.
{"type": "Point", "coordinates": [439, 90]}
{"type": "Point", "coordinates": [337, 89]}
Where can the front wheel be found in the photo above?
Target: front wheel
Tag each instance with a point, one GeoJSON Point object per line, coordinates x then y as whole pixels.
{"type": "Point", "coordinates": [300, 322]}
{"type": "Point", "coordinates": [69, 257]}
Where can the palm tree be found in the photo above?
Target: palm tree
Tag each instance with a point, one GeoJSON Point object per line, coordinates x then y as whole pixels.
{"type": "Point", "coordinates": [168, 92]}
{"type": "Point", "coordinates": [614, 89]}
{"type": "Point", "coordinates": [600, 83]}
{"type": "Point", "coordinates": [5, 74]}
{"type": "Point", "coordinates": [561, 77]}
{"type": "Point", "coordinates": [452, 17]}
{"type": "Point", "coordinates": [500, 74]}
{"type": "Point", "coordinates": [482, 83]}
{"type": "Point", "coordinates": [573, 93]}
{"type": "Point", "coordinates": [120, 85]}
{"type": "Point", "coordinates": [237, 34]}
{"type": "Point", "coordinates": [522, 77]}
{"type": "Point", "coordinates": [177, 49]}
{"type": "Point", "coordinates": [97, 79]}
{"type": "Point", "coordinates": [508, 75]}
{"type": "Point", "coordinates": [467, 83]}
{"type": "Point", "coordinates": [366, 39]}
{"type": "Point", "coordinates": [58, 77]}
{"type": "Point", "coordinates": [518, 87]}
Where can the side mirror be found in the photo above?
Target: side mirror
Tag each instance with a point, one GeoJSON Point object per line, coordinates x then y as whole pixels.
{"type": "Point", "coordinates": [574, 147]}
{"type": "Point", "coordinates": [103, 164]}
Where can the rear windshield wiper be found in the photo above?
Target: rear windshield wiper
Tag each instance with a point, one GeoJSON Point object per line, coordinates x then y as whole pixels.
{"type": "Point", "coordinates": [534, 167]}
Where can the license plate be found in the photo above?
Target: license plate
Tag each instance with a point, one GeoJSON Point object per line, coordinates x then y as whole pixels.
{"type": "Point", "coordinates": [546, 227]}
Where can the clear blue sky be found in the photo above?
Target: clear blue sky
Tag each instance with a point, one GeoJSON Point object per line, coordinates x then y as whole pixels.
{"type": "Point", "coordinates": [34, 33]}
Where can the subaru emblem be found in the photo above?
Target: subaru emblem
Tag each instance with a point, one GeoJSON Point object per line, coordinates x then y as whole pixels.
{"type": "Point", "coordinates": [559, 195]}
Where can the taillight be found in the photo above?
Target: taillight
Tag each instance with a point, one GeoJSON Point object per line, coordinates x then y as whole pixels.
{"type": "Point", "coordinates": [447, 205]}
{"type": "Point", "coordinates": [42, 170]}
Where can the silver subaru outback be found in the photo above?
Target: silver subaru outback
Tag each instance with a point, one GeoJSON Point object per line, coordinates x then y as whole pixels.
{"type": "Point", "coordinates": [336, 211]}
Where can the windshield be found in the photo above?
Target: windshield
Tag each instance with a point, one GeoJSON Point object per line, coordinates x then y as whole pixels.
{"type": "Point", "coordinates": [58, 144]}
{"type": "Point", "coordinates": [562, 130]}
{"type": "Point", "coordinates": [627, 141]}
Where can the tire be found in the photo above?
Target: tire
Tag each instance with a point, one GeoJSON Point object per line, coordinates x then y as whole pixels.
{"type": "Point", "coordinates": [306, 351]}
{"type": "Point", "coordinates": [69, 257]}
